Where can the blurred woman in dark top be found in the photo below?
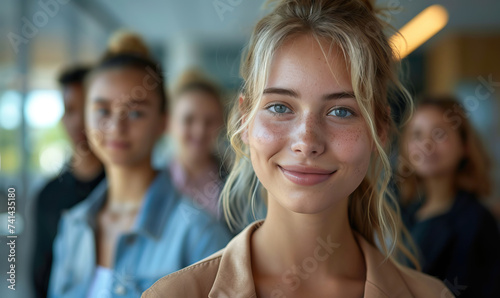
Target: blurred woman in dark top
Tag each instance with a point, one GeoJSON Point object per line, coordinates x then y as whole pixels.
{"type": "Point", "coordinates": [446, 172]}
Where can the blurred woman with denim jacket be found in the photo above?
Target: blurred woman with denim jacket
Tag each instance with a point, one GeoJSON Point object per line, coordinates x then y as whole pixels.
{"type": "Point", "coordinates": [134, 227]}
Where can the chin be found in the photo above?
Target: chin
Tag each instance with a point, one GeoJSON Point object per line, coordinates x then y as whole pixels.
{"type": "Point", "coordinates": [429, 172]}
{"type": "Point", "coordinates": [304, 204]}
{"type": "Point", "coordinates": [114, 162]}
{"type": "Point", "coordinates": [121, 161]}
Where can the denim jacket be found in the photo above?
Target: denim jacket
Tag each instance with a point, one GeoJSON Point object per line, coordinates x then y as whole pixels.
{"type": "Point", "coordinates": [170, 233]}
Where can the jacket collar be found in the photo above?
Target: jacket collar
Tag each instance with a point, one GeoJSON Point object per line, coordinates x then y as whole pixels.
{"type": "Point", "coordinates": [159, 201]}
{"type": "Point", "coordinates": [234, 277]}
{"type": "Point", "coordinates": [383, 278]}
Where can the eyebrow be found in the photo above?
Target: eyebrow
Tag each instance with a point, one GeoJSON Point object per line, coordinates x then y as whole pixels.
{"type": "Point", "coordinates": [131, 102]}
{"type": "Point", "coordinates": [139, 102]}
{"type": "Point", "coordinates": [101, 101]}
{"type": "Point", "coordinates": [295, 94]}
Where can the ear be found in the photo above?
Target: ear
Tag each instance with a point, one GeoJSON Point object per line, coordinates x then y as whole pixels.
{"type": "Point", "coordinates": [244, 133]}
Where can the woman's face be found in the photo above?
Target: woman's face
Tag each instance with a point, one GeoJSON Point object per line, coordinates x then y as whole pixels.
{"type": "Point", "coordinates": [195, 123]}
{"type": "Point", "coordinates": [434, 147]}
{"type": "Point", "coordinates": [123, 118]}
{"type": "Point", "coordinates": [309, 144]}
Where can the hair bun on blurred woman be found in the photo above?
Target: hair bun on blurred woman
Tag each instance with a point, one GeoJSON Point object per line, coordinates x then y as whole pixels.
{"type": "Point", "coordinates": [127, 49]}
{"type": "Point", "coordinates": [126, 42]}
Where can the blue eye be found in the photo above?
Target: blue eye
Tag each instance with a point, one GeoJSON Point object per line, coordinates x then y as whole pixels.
{"type": "Point", "coordinates": [341, 113]}
{"type": "Point", "coordinates": [134, 114]}
{"type": "Point", "coordinates": [279, 109]}
{"type": "Point", "coordinates": [102, 112]}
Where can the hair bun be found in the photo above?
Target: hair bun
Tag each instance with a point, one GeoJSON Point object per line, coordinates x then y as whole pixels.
{"type": "Point", "coordinates": [127, 42]}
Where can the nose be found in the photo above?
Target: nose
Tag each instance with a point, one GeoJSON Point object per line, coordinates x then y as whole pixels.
{"type": "Point", "coordinates": [308, 139]}
{"type": "Point", "coordinates": [118, 123]}
{"type": "Point", "coordinates": [199, 129]}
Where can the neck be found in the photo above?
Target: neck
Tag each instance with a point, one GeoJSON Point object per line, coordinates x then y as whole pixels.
{"type": "Point", "coordinates": [86, 166]}
{"type": "Point", "coordinates": [286, 239]}
{"type": "Point", "coordinates": [439, 190]}
{"type": "Point", "coordinates": [129, 184]}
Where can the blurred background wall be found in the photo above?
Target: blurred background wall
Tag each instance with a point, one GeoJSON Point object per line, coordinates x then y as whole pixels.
{"type": "Point", "coordinates": [39, 38]}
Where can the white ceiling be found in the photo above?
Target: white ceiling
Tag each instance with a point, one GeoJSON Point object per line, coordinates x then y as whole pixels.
{"type": "Point", "coordinates": [160, 20]}
{"type": "Point", "coordinates": [79, 29]}
{"type": "Point", "coordinates": [164, 19]}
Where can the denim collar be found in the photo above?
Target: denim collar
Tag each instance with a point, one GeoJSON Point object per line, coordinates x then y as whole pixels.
{"type": "Point", "coordinates": [159, 201]}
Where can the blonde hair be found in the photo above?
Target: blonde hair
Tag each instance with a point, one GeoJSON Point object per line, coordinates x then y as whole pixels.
{"type": "Point", "coordinates": [354, 27]}
{"type": "Point", "coordinates": [473, 172]}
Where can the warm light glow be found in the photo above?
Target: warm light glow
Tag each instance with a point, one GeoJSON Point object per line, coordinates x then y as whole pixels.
{"type": "Point", "coordinates": [420, 29]}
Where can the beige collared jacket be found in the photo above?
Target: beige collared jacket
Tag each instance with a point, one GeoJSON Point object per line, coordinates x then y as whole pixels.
{"type": "Point", "coordinates": [228, 274]}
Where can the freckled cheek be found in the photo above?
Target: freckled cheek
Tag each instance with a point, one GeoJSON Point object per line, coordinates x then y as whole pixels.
{"type": "Point", "coordinates": [267, 137]}
{"type": "Point", "coordinates": [352, 148]}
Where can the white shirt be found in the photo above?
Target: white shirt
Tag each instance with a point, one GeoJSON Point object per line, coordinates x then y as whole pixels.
{"type": "Point", "coordinates": [101, 283]}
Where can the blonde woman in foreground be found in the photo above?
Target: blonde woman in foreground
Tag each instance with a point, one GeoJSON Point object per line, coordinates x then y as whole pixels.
{"type": "Point", "coordinates": [310, 128]}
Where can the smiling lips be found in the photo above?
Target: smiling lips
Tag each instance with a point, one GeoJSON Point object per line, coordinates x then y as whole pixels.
{"type": "Point", "coordinates": [305, 176]}
{"type": "Point", "coordinates": [118, 145]}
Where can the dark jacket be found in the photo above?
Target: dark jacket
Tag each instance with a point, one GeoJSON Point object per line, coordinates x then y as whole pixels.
{"type": "Point", "coordinates": [461, 247]}
{"type": "Point", "coordinates": [60, 194]}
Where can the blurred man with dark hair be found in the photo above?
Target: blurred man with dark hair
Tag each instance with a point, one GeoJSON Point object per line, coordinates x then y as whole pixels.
{"type": "Point", "coordinates": [73, 184]}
